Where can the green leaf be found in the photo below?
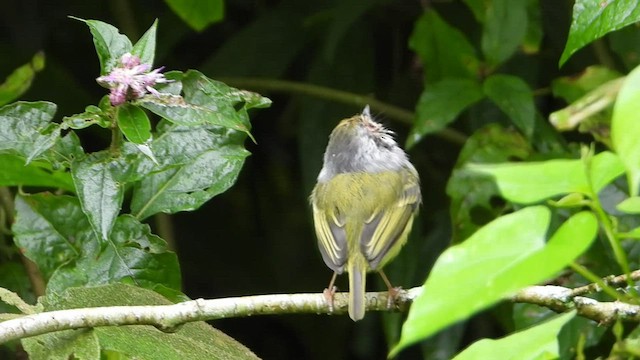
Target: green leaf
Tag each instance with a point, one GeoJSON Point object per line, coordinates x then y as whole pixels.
{"type": "Point", "coordinates": [14, 276]}
{"type": "Point", "coordinates": [531, 182]}
{"type": "Point", "coordinates": [440, 104]}
{"type": "Point", "coordinates": [62, 345]}
{"type": "Point", "coordinates": [205, 101]}
{"type": "Point", "coordinates": [195, 340]}
{"type": "Point", "coordinates": [630, 205]}
{"type": "Point", "coordinates": [145, 48]}
{"type": "Point", "coordinates": [514, 97]}
{"type": "Point", "coordinates": [505, 28]}
{"type": "Point", "coordinates": [588, 107]}
{"type": "Point", "coordinates": [96, 180]}
{"type": "Point", "coordinates": [501, 258]}
{"type": "Point", "coordinates": [38, 173]}
{"type": "Point", "coordinates": [625, 131]}
{"type": "Point", "coordinates": [133, 255]}
{"type": "Point", "coordinates": [198, 13]}
{"type": "Point", "coordinates": [134, 123]}
{"type": "Point", "coordinates": [26, 128]}
{"type": "Point", "coordinates": [472, 209]}
{"type": "Point", "coordinates": [49, 230]}
{"type": "Point", "coordinates": [110, 44]}
{"type": "Point", "coordinates": [92, 115]}
{"type": "Point", "coordinates": [594, 19]}
{"type": "Point", "coordinates": [444, 50]}
{"type": "Point", "coordinates": [537, 342]}
{"type": "Point", "coordinates": [206, 162]}
{"type": "Point", "coordinates": [55, 233]}
{"type": "Point", "coordinates": [19, 81]}
{"type": "Point", "coordinates": [572, 88]}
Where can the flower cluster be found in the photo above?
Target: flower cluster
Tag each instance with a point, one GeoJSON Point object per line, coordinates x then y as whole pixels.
{"type": "Point", "coordinates": [131, 81]}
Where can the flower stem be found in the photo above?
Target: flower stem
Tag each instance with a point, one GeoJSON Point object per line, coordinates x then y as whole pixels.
{"type": "Point", "coordinates": [116, 134]}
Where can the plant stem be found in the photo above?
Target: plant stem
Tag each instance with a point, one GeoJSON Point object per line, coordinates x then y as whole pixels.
{"type": "Point", "coordinates": [587, 274]}
{"type": "Point", "coordinates": [344, 97]}
{"type": "Point", "coordinates": [116, 134]}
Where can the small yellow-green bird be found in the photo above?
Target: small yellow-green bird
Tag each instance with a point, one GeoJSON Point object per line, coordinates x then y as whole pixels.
{"type": "Point", "coordinates": [364, 203]}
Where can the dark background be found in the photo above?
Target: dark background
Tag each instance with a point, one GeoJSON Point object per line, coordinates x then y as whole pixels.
{"type": "Point", "coordinates": [257, 238]}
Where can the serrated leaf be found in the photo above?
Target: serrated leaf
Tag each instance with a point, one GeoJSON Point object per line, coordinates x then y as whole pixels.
{"type": "Point", "coordinates": [19, 81]}
{"type": "Point", "coordinates": [38, 173]}
{"type": "Point", "coordinates": [134, 123]}
{"type": "Point", "coordinates": [195, 340]}
{"type": "Point", "coordinates": [537, 342]}
{"type": "Point", "coordinates": [26, 128]}
{"type": "Point", "coordinates": [99, 191]}
{"type": "Point", "coordinates": [92, 115]}
{"type": "Point", "coordinates": [49, 230]}
{"type": "Point", "coordinates": [514, 97]}
{"type": "Point", "coordinates": [625, 131]}
{"type": "Point", "coordinates": [205, 101]}
{"type": "Point", "coordinates": [110, 44]}
{"type": "Point", "coordinates": [444, 50]}
{"type": "Point", "coordinates": [55, 233]}
{"type": "Point", "coordinates": [440, 104]}
{"type": "Point", "coordinates": [594, 19]}
{"type": "Point", "coordinates": [531, 182]}
{"type": "Point", "coordinates": [501, 258]}
{"type": "Point", "coordinates": [132, 255]}
{"type": "Point", "coordinates": [198, 13]}
{"type": "Point", "coordinates": [187, 187]}
{"type": "Point", "coordinates": [505, 27]}
{"type": "Point", "coordinates": [145, 48]}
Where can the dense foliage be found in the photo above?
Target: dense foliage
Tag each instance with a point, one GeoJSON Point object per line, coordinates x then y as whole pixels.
{"type": "Point", "coordinates": [520, 116]}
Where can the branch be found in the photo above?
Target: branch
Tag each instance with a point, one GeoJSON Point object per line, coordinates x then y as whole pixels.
{"type": "Point", "coordinates": [168, 317]}
{"type": "Point", "coordinates": [340, 96]}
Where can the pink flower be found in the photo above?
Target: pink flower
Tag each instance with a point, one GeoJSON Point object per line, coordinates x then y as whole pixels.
{"type": "Point", "coordinates": [131, 81]}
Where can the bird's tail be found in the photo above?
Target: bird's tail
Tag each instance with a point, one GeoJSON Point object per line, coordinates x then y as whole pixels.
{"type": "Point", "coordinates": [357, 284]}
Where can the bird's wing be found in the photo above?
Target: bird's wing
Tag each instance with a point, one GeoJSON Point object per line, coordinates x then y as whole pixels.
{"type": "Point", "coordinates": [387, 229]}
{"type": "Point", "coordinates": [332, 238]}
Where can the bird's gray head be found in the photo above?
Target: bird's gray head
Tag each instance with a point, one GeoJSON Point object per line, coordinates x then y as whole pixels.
{"type": "Point", "coordinates": [359, 144]}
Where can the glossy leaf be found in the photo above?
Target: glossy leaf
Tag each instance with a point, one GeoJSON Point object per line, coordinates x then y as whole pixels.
{"type": "Point", "coordinates": [514, 97]}
{"type": "Point", "coordinates": [505, 27]}
{"type": "Point", "coordinates": [501, 258]}
{"type": "Point", "coordinates": [198, 13]}
{"type": "Point", "coordinates": [145, 48]}
{"type": "Point", "coordinates": [19, 81]}
{"type": "Point", "coordinates": [38, 173]}
{"type": "Point", "coordinates": [99, 191]}
{"type": "Point", "coordinates": [440, 104]}
{"type": "Point", "coordinates": [625, 131]}
{"type": "Point", "coordinates": [531, 182]}
{"type": "Point", "coordinates": [594, 19]}
{"type": "Point", "coordinates": [134, 123]}
{"type": "Point", "coordinates": [444, 50]}
{"type": "Point", "coordinates": [630, 205]}
{"type": "Point", "coordinates": [110, 44]}
{"type": "Point", "coordinates": [472, 209]}
{"type": "Point", "coordinates": [195, 340]}
{"type": "Point", "coordinates": [26, 128]}
{"type": "Point", "coordinates": [537, 342]}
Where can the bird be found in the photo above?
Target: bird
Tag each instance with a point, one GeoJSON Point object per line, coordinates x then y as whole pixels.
{"type": "Point", "coordinates": [364, 203]}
